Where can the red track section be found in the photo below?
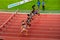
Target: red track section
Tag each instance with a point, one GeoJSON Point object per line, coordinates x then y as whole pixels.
{"type": "Point", "coordinates": [43, 27]}
{"type": "Point", "coordinates": [3, 18]}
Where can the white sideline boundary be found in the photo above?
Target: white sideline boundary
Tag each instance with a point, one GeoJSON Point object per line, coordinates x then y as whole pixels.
{"type": "Point", "coordinates": [27, 13]}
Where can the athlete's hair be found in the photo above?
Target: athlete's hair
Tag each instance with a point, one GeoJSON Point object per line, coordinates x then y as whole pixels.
{"type": "Point", "coordinates": [22, 20]}
{"type": "Point", "coordinates": [33, 7]}
{"type": "Point", "coordinates": [28, 15]}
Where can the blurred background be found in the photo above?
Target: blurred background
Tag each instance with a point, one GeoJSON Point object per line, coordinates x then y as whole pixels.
{"type": "Point", "coordinates": [50, 6]}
